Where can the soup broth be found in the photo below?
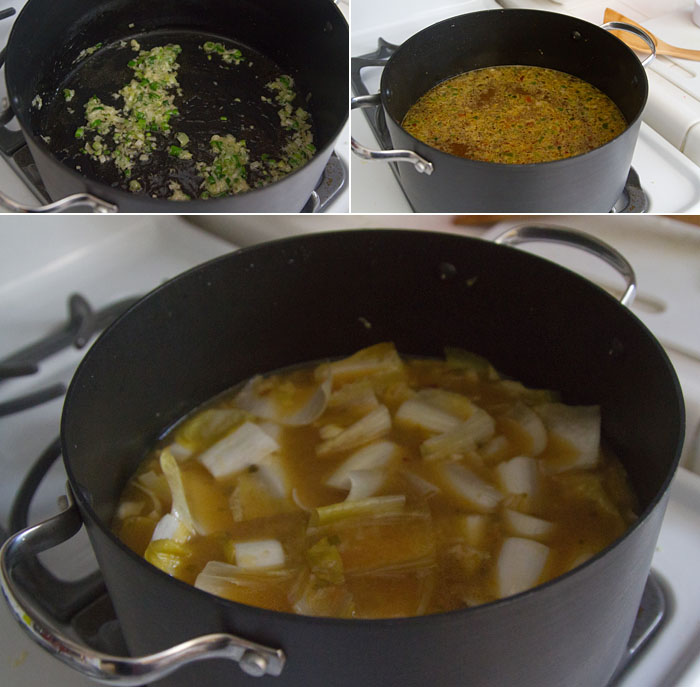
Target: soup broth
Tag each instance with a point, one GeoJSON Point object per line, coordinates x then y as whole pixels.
{"type": "Point", "coordinates": [515, 114]}
{"type": "Point", "coordinates": [377, 486]}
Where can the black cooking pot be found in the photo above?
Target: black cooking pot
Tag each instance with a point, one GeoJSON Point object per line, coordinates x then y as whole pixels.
{"type": "Point", "coordinates": [436, 181]}
{"type": "Point", "coordinates": [320, 295]}
{"type": "Point", "coordinates": [312, 45]}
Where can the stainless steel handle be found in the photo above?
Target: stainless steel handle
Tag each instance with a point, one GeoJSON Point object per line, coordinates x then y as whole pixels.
{"type": "Point", "coordinates": [578, 239]}
{"type": "Point", "coordinates": [254, 659]}
{"type": "Point", "coordinates": [622, 26]}
{"type": "Point", "coordinates": [76, 200]}
{"type": "Point", "coordinates": [421, 165]}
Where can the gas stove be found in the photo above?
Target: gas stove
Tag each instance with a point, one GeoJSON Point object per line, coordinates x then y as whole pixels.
{"type": "Point", "coordinates": [20, 180]}
{"type": "Point", "coordinates": [68, 277]}
{"type": "Point", "coordinates": [665, 176]}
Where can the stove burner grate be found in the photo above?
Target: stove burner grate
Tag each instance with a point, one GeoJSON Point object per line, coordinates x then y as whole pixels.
{"type": "Point", "coordinates": [15, 152]}
{"type": "Point", "coordinates": [632, 200]}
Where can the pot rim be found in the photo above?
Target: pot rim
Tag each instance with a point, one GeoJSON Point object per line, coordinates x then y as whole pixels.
{"type": "Point", "coordinates": [446, 616]}
{"type": "Point", "coordinates": [425, 149]}
{"type": "Point", "coordinates": [120, 196]}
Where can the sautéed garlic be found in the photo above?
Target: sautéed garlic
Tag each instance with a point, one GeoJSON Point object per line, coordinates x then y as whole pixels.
{"type": "Point", "coordinates": [377, 486]}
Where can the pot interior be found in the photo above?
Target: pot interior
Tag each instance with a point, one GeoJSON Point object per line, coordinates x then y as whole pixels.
{"type": "Point", "coordinates": [327, 295]}
{"type": "Point", "coordinates": [513, 37]}
{"type": "Point", "coordinates": [48, 37]}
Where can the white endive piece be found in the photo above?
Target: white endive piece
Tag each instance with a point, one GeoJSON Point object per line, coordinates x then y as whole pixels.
{"type": "Point", "coordinates": [520, 565]}
{"type": "Point", "coordinates": [180, 508]}
{"type": "Point", "coordinates": [519, 475]}
{"type": "Point", "coordinates": [461, 438]}
{"type": "Point", "coordinates": [531, 424]}
{"type": "Point", "coordinates": [579, 427]}
{"type": "Point", "coordinates": [365, 483]}
{"type": "Point", "coordinates": [263, 553]}
{"type": "Point", "coordinates": [266, 407]}
{"type": "Point", "coordinates": [247, 445]}
{"type": "Point", "coordinates": [523, 525]}
{"type": "Point", "coordinates": [378, 454]}
{"type": "Point", "coordinates": [169, 527]}
{"type": "Point", "coordinates": [372, 426]}
{"type": "Point", "coordinates": [473, 491]}
{"type": "Point", "coordinates": [419, 413]}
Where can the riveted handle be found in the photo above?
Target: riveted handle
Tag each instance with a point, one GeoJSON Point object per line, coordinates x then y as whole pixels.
{"type": "Point", "coordinates": [254, 659]}
{"type": "Point", "coordinates": [525, 233]}
{"type": "Point", "coordinates": [421, 165]}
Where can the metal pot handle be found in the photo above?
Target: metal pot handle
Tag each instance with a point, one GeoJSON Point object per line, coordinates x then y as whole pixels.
{"type": "Point", "coordinates": [421, 165]}
{"type": "Point", "coordinates": [577, 239]}
{"type": "Point", "coordinates": [68, 203]}
{"type": "Point", "coordinates": [254, 659]}
{"type": "Point", "coordinates": [622, 26]}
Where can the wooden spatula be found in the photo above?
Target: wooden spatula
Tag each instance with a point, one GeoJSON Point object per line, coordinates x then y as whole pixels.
{"type": "Point", "coordinates": [635, 43]}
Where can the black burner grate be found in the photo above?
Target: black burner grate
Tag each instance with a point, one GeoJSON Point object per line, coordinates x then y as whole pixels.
{"type": "Point", "coordinates": [632, 200]}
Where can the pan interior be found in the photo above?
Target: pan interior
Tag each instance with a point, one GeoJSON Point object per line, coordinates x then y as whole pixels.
{"type": "Point", "coordinates": [217, 98]}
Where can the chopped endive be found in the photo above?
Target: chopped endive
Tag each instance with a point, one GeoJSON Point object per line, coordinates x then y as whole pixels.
{"type": "Point", "coordinates": [365, 483]}
{"type": "Point", "coordinates": [180, 508]}
{"type": "Point", "coordinates": [466, 360]}
{"type": "Point", "coordinates": [520, 475]}
{"type": "Point", "coordinates": [325, 562]}
{"type": "Point", "coordinates": [528, 423]}
{"type": "Point", "coordinates": [168, 555]}
{"type": "Point", "coordinates": [374, 505]}
{"type": "Point", "coordinates": [378, 454]}
{"type": "Point", "coordinates": [460, 439]}
{"type": "Point", "coordinates": [170, 527]}
{"type": "Point", "coordinates": [469, 488]}
{"type": "Point", "coordinates": [247, 445]}
{"type": "Point", "coordinates": [204, 428]}
{"type": "Point", "coordinates": [263, 553]}
{"type": "Point", "coordinates": [576, 431]}
{"type": "Point", "coordinates": [520, 565]}
{"type": "Point", "coordinates": [418, 413]}
{"type": "Point", "coordinates": [372, 426]}
{"type": "Point", "coordinates": [523, 525]}
{"type": "Point", "coordinates": [272, 407]}
{"type": "Point", "coordinates": [453, 403]}
{"type": "Point", "coordinates": [381, 358]}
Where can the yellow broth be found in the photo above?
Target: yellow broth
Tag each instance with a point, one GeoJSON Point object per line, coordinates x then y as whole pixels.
{"type": "Point", "coordinates": [515, 114]}
{"type": "Point", "coordinates": [459, 472]}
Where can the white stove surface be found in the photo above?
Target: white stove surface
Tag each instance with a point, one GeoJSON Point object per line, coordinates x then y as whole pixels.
{"type": "Point", "coordinates": [42, 263]}
{"type": "Point", "coordinates": [16, 189]}
{"type": "Point", "coordinates": [667, 155]}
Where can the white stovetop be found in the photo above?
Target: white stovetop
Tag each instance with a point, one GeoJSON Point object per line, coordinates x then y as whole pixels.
{"type": "Point", "coordinates": [42, 262]}
{"type": "Point", "coordinates": [667, 156]}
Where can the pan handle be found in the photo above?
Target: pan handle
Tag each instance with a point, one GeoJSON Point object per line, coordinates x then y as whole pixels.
{"type": "Point", "coordinates": [622, 26]}
{"type": "Point", "coordinates": [420, 163]}
{"type": "Point", "coordinates": [62, 205]}
{"type": "Point", "coordinates": [578, 239]}
{"type": "Point", "coordinates": [254, 659]}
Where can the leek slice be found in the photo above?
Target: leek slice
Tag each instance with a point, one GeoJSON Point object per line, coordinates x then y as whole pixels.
{"type": "Point", "coordinates": [206, 427]}
{"type": "Point", "coordinates": [415, 412]}
{"type": "Point", "coordinates": [180, 508]}
{"type": "Point", "coordinates": [275, 406]}
{"type": "Point", "coordinates": [313, 597]}
{"type": "Point", "coordinates": [449, 401]}
{"type": "Point", "coordinates": [357, 396]}
{"type": "Point", "coordinates": [325, 562]}
{"type": "Point", "coordinates": [469, 488]}
{"type": "Point", "coordinates": [577, 430]}
{"type": "Point", "coordinates": [374, 505]}
{"type": "Point", "coordinates": [263, 553]}
{"type": "Point", "coordinates": [371, 457]}
{"type": "Point", "coordinates": [372, 426]}
{"type": "Point", "coordinates": [461, 439]}
{"type": "Point", "coordinates": [520, 565]}
{"type": "Point", "coordinates": [247, 445]}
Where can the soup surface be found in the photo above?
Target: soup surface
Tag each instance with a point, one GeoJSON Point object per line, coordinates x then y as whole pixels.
{"type": "Point", "coordinates": [377, 486]}
{"type": "Point", "coordinates": [515, 114]}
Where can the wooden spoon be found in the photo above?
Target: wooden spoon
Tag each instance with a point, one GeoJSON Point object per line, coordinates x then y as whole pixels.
{"type": "Point", "coordinates": [638, 44]}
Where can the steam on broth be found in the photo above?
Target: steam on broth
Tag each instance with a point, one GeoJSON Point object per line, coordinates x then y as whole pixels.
{"type": "Point", "coordinates": [377, 486]}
